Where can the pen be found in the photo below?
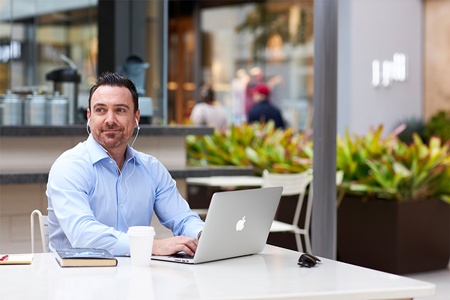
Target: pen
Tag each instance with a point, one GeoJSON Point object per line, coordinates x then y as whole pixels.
{"type": "Point", "coordinates": [4, 257]}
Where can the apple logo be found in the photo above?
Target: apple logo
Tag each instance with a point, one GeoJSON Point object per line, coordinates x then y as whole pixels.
{"type": "Point", "coordinates": [240, 224]}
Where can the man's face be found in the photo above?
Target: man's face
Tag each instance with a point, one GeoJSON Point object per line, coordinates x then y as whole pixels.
{"type": "Point", "coordinates": [111, 116]}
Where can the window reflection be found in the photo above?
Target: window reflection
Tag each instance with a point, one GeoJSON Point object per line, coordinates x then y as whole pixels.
{"type": "Point", "coordinates": [277, 38]}
{"type": "Point", "coordinates": [46, 39]}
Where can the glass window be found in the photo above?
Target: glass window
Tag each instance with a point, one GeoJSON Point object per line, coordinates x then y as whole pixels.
{"type": "Point", "coordinates": [270, 41]}
{"type": "Point", "coordinates": [36, 40]}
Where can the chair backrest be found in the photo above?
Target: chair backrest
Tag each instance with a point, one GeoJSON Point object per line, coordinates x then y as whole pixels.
{"type": "Point", "coordinates": [43, 227]}
{"type": "Point", "coordinates": [293, 184]}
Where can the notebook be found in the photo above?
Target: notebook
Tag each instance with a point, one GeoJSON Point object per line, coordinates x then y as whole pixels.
{"type": "Point", "coordinates": [237, 224]}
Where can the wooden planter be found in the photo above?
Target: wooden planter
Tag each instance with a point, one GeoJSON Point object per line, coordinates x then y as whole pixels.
{"type": "Point", "coordinates": [395, 237]}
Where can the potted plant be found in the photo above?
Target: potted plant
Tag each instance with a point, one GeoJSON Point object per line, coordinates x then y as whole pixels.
{"type": "Point", "coordinates": [394, 202]}
{"type": "Point", "coordinates": [261, 146]}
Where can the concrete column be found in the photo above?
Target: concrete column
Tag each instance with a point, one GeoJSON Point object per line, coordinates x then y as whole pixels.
{"type": "Point", "coordinates": [324, 124]}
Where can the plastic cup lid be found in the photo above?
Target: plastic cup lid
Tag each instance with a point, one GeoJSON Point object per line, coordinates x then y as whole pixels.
{"type": "Point", "coordinates": [141, 230]}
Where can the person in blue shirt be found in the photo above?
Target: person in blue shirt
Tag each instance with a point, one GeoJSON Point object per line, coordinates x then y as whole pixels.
{"type": "Point", "coordinates": [262, 110]}
{"type": "Point", "coordinates": [102, 186]}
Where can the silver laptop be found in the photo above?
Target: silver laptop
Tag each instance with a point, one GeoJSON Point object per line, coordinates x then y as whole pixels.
{"type": "Point", "coordinates": [237, 224]}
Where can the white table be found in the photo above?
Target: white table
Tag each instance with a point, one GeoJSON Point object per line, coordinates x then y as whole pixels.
{"type": "Point", "coordinates": [226, 182]}
{"type": "Point", "coordinates": [272, 274]}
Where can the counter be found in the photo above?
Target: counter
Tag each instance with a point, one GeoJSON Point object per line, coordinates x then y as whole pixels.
{"type": "Point", "coordinates": [80, 130]}
{"type": "Point", "coordinates": [180, 173]}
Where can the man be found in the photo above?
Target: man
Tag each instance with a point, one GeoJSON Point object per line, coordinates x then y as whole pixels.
{"type": "Point", "coordinates": [101, 187]}
{"type": "Point", "coordinates": [238, 96]}
{"type": "Point", "coordinates": [256, 78]}
{"type": "Point", "coordinates": [209, 111]}
{"type": "Point", "coordinates": [263, 111]}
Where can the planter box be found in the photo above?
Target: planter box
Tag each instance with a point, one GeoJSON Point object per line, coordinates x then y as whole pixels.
{"type": "Point", "coordinates": [395, 237]}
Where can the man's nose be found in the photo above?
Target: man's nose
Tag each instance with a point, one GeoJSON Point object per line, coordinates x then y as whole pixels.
{"type": "Point", "coordinates": [110, 117]}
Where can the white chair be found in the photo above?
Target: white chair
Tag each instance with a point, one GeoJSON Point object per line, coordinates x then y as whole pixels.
{"type": "Point", "coordinates": [43, 226]}
{"type": "Point", "coordinates": [293, 184]}
{"type": "Point", "coordinates": [339, 179]}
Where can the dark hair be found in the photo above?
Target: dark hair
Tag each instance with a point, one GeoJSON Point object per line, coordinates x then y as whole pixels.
{"type": "Point", "coordinates": [114, 79]}
{"type": "Point", "coordinates": [207, 94]}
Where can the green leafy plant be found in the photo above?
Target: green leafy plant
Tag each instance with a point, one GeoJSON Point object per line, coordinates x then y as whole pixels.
{"type": "Point", "coordinates": [374, 166]}
{"type": "Point", "coordinates": [387, 168]}
{"type": "Point", "coordinates": [261, 146]}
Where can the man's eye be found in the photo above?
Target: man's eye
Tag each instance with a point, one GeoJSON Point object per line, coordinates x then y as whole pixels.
{"type": "Point", "coordinates": [99, 110]}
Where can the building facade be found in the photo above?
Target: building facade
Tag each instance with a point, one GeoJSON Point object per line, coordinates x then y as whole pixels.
{"type": "Point", "coordinates": [390, 56]}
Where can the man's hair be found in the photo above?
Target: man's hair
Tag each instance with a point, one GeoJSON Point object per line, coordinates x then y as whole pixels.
{"type": "Point", "coordinates": [207, 93]}
{"type": "Point", "coordinates": [114, 79]}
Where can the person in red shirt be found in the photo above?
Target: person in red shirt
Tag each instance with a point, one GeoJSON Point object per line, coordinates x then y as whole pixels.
{"type": "Point", "coordinates": [262, 110]}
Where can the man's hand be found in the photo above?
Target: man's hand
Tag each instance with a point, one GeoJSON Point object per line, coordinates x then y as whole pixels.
{"type": "Point", "coordinates": [174, 245]}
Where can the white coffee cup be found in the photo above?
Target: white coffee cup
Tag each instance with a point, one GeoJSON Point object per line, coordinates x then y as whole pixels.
{"type": "Point", "coordinates": [141, 245]}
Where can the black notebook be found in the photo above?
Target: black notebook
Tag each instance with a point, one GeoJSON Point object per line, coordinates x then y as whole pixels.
{"type": "Point", "coordinates": [85, 257]}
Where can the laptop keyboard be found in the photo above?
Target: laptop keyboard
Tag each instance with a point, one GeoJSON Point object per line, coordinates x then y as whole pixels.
{"type": "Point", "coordinates": [182, 255]}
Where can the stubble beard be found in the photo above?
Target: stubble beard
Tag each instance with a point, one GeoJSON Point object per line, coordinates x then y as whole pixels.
{"type": "Point", "coordinates": [111, 140]}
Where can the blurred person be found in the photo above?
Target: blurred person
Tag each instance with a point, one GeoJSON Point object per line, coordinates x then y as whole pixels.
{"type": "Point", "coordinates": [102, 186]}
{"type": "Point", "coordinates": [209, 112]}
{"type": "Point", "coordinates": [256, 78]}
{"type": "Point", "coordinates": [262, 110]}
{"type": "Point", "coordinates": [238, 87]}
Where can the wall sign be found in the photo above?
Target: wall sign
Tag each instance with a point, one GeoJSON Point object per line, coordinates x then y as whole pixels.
{"type": "Point", "coordinates": [384, 73]}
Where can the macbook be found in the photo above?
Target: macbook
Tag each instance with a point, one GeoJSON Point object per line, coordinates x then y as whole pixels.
{"type": "Point", "coordinates": [237, 224]}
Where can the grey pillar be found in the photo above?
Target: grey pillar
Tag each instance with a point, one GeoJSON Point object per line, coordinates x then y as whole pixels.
{"type": "Point", "coordinates": [325, 111]}
{"type": "Point", "coordinates": [121, 32]}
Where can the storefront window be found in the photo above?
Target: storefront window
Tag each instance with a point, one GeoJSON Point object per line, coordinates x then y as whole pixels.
{"type": "Point", "coordinates": [37, 37]}
{"type": "Point", "coordinates": [60, 45]}
{"type": "Point", "coordinates": [272, 40]}
{"type": "Point", "coordinates": [217, 42]}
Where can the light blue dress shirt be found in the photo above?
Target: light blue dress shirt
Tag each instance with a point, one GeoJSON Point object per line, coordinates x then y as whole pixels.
{"type": "Point", "coordinates": [91, 204]}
